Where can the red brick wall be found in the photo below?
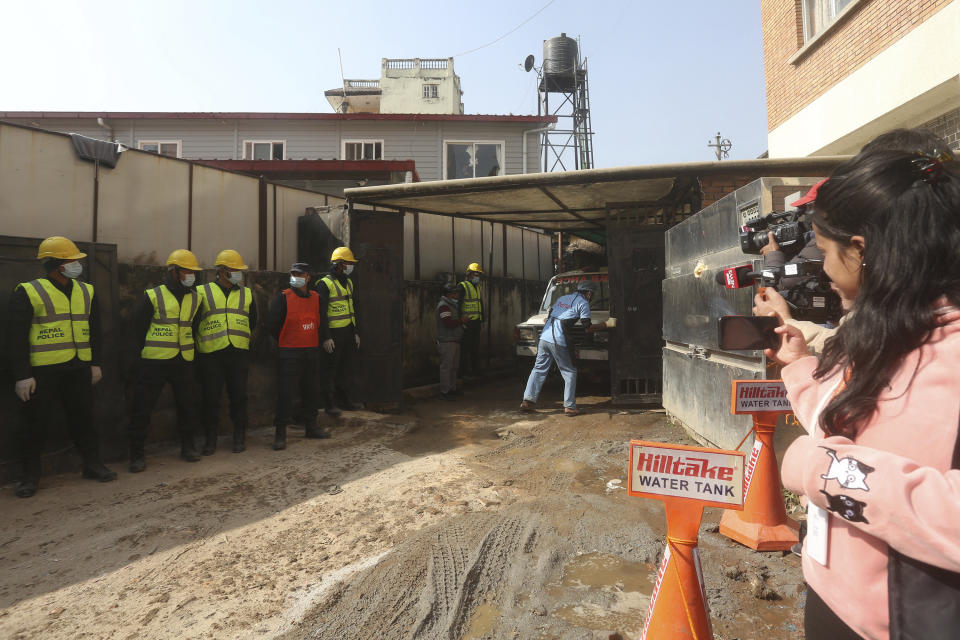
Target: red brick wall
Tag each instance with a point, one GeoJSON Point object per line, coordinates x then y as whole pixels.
{"type": "Point", "coordinates": [865, 31]}
{"type": "Point", "coordinates": [715, 187]}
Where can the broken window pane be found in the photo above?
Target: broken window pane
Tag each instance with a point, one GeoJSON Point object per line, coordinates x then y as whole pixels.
{"type": "Point", "coordinates": [278, 151]}
{"type": "Point", "coordinates": [489, 162]}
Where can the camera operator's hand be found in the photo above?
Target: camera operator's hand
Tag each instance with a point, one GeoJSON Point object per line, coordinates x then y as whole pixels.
{"type": "Point", "coordinates": [771, 244]}
{"type": "Point", "coordinates": [770, 301]}
{"type": "Point", "coordinates": [792, 345]}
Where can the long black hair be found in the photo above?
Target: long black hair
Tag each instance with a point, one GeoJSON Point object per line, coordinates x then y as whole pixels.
{"type": "Point", "coordinates": [907, 208]}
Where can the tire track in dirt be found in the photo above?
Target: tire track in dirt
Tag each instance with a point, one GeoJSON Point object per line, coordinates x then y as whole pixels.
{"type": "Point", "coordinates": [430, 587]}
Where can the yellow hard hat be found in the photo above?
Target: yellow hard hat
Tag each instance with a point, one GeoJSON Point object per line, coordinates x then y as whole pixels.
{"type": "Point", "coordinates": [59, 247]}
{"type": "Point", "coordinates": [230, 258]}
{"type": "Point", "coordinates": [342, 253]}
{"type": "Point", "coordinates": [473, 266]}
{"type": "Point", "coordinates": [184, 259]}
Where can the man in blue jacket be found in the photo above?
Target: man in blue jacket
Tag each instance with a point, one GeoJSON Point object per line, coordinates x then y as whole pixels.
{"type": "Point", "coordinates": [554, 348]}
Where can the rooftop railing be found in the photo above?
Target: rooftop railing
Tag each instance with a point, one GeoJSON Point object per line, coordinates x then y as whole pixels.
{"type": "Point", "coordinates": [361, 84]}
{"type": "Point", "coordinates": [413, 63]}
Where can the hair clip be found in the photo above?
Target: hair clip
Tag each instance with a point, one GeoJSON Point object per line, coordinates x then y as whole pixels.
{"type": "Point", "coordinates": [930, 167]}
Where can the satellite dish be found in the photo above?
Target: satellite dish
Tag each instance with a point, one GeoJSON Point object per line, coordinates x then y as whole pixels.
{"type": "Point", "coordinates": [528, 63]}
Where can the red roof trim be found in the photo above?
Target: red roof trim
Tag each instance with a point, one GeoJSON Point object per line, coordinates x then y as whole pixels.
{"type": "Point", "coordinates": [178, 115]}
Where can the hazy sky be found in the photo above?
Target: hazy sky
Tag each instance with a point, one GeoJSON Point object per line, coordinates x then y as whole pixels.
{"type": "Point", "coordinates": [664, 76]}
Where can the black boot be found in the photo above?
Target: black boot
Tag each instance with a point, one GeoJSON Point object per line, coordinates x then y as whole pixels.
{"type": "Point", "coordinates": [93, 469]}
{"type": "Point", "coordinates": [333, 411]}
{"type": "Point", "coordinates": [26, 488]}
{"type": "Point", "coordinates": [138, 461]}
{"type": "Point", "coordinates": [240, 439]}
{"type": "Point", "coordinates": [210, 441]}
{"type": "Point", "coordinates": [313, 430]}
{"type": "Point", "coordinates": [187, 449]}
{"type": "Point", "coordinates": [280, 438]}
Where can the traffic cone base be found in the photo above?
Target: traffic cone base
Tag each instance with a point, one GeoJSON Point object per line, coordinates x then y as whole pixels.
{"type": "Point", "coordinates": [758, 536]}
{"type": "Point", "coordinates": [763, 524]}
{"type": "Point", "coordinates": [678, 606]}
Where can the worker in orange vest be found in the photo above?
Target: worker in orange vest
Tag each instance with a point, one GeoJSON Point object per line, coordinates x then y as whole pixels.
{"type": "Point", "coordinates": [296, 320]}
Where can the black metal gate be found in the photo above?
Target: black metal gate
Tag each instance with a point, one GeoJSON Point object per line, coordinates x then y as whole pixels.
{"type": "Point", "coordinates": [635, 256]}
{"type": "Point", "coordinates": [376, 238]}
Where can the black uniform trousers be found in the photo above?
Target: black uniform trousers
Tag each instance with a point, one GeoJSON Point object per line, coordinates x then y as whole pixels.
{"type": "Point", "coordinates": [296, 370]}
{"type": "Point", "coordinates": [227, 367]}
{"type": "Point", "coordinates": [338, 368]}
{"type": "Point", "coordinates": [470, 348]}
{"type": "Point", "coordinates": [71, 390]}
{"type": "Point", "coordinates": [152, 375]}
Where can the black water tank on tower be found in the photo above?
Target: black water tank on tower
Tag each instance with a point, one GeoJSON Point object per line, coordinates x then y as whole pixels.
{"type": "Point", "coordinates": [560, 63]}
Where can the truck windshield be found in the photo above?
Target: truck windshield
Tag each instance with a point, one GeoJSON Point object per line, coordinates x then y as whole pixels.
{"type": "Point", "coordinates": [562, 285]}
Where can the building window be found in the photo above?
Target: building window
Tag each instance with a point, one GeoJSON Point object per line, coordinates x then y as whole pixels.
{"type": "Point", "coordinates": [820, 14]}
{"type": "Point", "coordinates": [431, 91]}
{"type": "Point", "coordinates": [264, 149]}
{"type": "Point", "coordinates": [362, 150]}
{"type": "Point", "coordinates": [472, 159]}
{"type": "Point", "coordinates": [169, 148]}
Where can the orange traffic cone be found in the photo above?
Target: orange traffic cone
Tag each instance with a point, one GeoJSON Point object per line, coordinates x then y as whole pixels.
{"type": "Point", "coordinates": [678, 605]}
{"type": "Point", "coordinates": [763, 524]}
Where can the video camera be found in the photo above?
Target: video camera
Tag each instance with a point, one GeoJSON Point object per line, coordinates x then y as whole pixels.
{"type": "Point", "coordinates": [811, 298]}
{"type": "Point", "coordinates": [788, 227]}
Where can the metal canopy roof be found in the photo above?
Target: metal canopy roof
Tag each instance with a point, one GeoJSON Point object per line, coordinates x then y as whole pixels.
{"type": "Point", "coordinates": [576, 200]}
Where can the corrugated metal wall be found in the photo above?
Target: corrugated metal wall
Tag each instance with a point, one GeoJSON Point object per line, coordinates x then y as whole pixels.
{"type": "Point", "coordinates": [148, 205]}
{"type": "Point", "coordinates": [448, 245]}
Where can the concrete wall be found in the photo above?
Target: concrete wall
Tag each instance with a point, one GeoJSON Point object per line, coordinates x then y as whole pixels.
{"type": "Point", "coordinates": [148, 205]}
{"type": "Point", "coordinates": [508, 302]}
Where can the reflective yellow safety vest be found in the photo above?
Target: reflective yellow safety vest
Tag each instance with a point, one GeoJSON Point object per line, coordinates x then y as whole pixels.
{"type": "Point", "coordinates": [61, 327]}
{"type": "Point", "coordinates": [171, 328]}
{"type": "Point", "coordinates": [340, 308]}
{"type": "Point", "coordinates": [471, 307]}
{"type": "Point", "coordinates": [224, 320]}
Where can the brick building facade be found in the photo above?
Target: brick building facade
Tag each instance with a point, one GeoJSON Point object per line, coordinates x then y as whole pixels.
{"type": "Point", "coordinates": [839, 72]}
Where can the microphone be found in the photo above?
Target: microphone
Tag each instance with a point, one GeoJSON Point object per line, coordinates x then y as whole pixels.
{"type": "Point", "coordinates": [736, 277]}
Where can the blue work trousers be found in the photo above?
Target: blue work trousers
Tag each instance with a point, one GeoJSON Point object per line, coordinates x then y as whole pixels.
{"type": "Point", "coordinates": [548, 354]}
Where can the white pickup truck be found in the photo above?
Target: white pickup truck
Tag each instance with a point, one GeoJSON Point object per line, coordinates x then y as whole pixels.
{"type": "Point", "coordinates": [590, 348]}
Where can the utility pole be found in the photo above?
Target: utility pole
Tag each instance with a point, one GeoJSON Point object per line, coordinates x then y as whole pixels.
{"type": "Point", "coordinates": [721, 146]}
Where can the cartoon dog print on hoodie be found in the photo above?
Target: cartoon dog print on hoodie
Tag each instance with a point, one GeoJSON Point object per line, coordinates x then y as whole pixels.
{"type": "Point", "coordinates": [849, 472]}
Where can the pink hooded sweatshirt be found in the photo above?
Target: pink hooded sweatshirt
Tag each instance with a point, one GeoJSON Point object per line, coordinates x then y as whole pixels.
{"type": "Point", "coordinates": [891, 487]}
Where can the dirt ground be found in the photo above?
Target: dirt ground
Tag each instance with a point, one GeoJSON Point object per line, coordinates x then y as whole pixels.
{"type": "Point", "coordinates": [460, 520]}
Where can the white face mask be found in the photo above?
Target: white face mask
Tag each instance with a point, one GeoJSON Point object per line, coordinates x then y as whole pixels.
{"type": "Point", "coordinates": [475, 280]}
{"type": "Point", "coordinates": [297, 282]}
{"type": "Point", "coordinates": [188, 279]}
{"type": "Point", "coordinates": [347, 269]}
{"type": "Point", "coordinates": [72, 270]}
{"type": "Point", "coordinates": [235, 277]}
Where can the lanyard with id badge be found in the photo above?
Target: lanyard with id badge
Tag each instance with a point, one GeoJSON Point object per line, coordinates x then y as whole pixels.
{"type": "Point", "coordinates": [818, 519]}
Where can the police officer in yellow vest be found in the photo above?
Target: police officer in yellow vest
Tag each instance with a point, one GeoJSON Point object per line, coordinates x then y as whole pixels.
{"type": "Point", "coordinates": [165, 319]}
{"type": "Point", "coordinates": [471, 308]}
{"type": "Point", "coordinates": [54, 329]}
{"type": "Point", "coordinates": [222, 329]}
{"type": "Point", "coordinates": [341, 338]}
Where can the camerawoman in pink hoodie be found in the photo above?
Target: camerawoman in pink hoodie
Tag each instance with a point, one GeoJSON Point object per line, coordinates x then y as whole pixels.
{"type": "Point", "coordinates": [882, 406]}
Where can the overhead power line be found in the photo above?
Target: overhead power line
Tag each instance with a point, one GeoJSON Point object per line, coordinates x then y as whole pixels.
{"type": "Point", "coordinates": [539, 11]}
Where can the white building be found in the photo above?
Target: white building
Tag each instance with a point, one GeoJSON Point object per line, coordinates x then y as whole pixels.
{"type": "Point", "coordinates": [406, 85]}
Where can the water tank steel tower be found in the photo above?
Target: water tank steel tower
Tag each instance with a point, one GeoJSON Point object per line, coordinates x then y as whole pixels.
{"type": "Point", "coordinates": [564, 92]}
